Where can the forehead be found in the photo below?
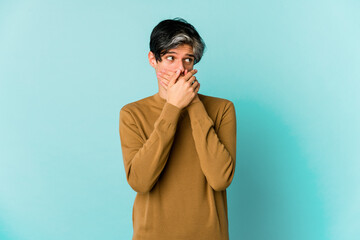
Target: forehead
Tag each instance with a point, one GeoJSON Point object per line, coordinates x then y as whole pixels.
{"type": "Point", "coordinates": [184, 49]}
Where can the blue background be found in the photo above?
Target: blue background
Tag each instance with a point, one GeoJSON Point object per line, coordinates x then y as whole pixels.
{"type": "Point", "coordinates": [290, 67]}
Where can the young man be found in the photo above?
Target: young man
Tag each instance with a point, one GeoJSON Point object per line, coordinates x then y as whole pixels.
{"type": "Point", "coordinates": [178, 146]}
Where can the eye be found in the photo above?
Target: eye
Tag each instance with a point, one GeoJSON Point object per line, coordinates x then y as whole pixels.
{"type": "Point", "coordinates": [170, 58]}
{"type": "Point", "coordinates": [189, 60]}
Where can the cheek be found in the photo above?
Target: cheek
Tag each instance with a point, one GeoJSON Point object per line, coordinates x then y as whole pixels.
{"type": "Point", "coordinates": [167, 69]}
{"type": "Point", "coordinates": [163, 66]}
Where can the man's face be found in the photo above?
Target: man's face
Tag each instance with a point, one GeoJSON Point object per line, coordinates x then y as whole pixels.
{"type": "Point", "coordinates": [181, 58]}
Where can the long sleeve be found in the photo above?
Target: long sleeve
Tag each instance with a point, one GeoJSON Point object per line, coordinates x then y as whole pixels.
{"type": "Point", "coordinates": [144, 159]}
{"type": "Point", "coordinates": [216, 150]}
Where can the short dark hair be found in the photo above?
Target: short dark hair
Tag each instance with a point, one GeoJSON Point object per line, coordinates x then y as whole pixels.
{"type": "Point", "coordinates": [171, 33]}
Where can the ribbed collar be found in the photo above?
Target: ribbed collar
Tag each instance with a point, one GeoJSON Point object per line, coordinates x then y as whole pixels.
{"type": "Point", "coordinates": [159, 100]}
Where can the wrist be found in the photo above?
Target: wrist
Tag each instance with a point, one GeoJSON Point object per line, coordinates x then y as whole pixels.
{"type": "Point", "coordinates": [175, 104]}
{"type": "Point", "coordinates": [195, 99]}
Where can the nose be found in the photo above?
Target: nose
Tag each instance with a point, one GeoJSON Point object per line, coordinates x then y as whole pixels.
{"type": "Point", "coordinates": [181, 67]}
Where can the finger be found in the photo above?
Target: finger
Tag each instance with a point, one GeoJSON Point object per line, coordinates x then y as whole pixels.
{"type": "Point", "coordinates": [163, 84]}
{"type": "Point", "coordinates": [173, 78]}
{"type": "Point", "coordinates": [190, 74]}
{"type": "Point", "coordinates": [195, 84]}
{"type": "Point", "coordinates": [192, 79]}
{"type": "Point", "coordinates": [165, 74]}
{"type": "Point", "coordinates": [197, 87]}
{"type": "Point", "coordinates": [172, 74]}
{"type": "Point", "coordinates": [163, 79]}
{"type": "Point", "coordinates": [162, 76]}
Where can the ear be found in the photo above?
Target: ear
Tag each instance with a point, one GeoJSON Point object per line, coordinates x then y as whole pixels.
{"type": "Point", "coordinates": [152, 59]}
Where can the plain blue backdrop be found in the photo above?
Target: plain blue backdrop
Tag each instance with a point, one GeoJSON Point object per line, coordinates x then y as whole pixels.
{"type": "Point", "coordinates": [290, 67]}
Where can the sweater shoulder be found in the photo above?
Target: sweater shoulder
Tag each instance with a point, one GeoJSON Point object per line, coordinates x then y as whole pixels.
{"type": "Point", "coordinates": [140, 104]}
{"type": "Point", "coordinates": [216, 103]}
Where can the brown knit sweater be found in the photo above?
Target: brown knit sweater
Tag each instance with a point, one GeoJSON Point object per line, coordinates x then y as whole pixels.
{"type": "Point", "coordinates": [180, 162]}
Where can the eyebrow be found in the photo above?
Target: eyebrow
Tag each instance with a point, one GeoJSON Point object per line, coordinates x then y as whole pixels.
{"type": "Point", "coordinates": [191, 55]}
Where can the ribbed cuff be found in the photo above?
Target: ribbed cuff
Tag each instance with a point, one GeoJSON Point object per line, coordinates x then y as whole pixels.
{"type": "Point", "coordinates": [198, 113]}
{"type": "Point", "coordinates": [170, 113]}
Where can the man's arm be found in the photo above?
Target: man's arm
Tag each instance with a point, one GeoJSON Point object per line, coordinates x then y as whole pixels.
{"type": "Point", "coordinates": [144, 159]}
{"type": "Point", "coordinates": [216, 151]}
